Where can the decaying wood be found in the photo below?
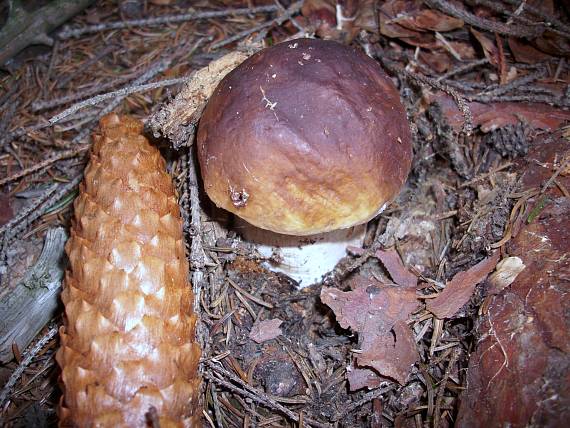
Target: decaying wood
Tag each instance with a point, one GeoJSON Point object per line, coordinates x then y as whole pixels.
{"type": "Point", "coordinates": [34, 301]}
{"type": "Point", "coordinates": [177, 120]}
{"type": "Point", "coordinates": [27, 28]}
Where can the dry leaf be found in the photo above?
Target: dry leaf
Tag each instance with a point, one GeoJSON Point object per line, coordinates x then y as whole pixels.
{"type": "Point", "coordinates": [458, 291]}
{"type": "Point", "coordinates": [391, 355]}
{"type": "Point", "coordinates": [373, 311]}
{"type": "Point", "coordinates": [321, 15]}
{"type": "Point", "coordinates": [393, 264]}
{"type": "Point", "coordinates": [372, 308]}
{"type": "Point", "coordinates": [439, 61]}
{"type": "Point", "coordinates": [391, 13]}
{"type": "Point", "coordinates": [526, 53]}
{"type": "Point", "coordinates": [262, 331]}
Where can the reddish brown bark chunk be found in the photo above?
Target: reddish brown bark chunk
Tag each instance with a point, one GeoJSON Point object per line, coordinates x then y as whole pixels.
{"type": "Point", "coordinates": [458, 291]}
{"type": "Point", "coordinates": [519, 374]}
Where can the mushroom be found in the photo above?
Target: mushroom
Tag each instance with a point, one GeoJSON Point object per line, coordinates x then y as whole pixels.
{"type": "Point", "coordinates": [305, 142]}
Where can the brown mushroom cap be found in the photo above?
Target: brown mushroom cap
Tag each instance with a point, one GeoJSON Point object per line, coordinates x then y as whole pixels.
{"type": "Point", "coordinates": [304, 137]}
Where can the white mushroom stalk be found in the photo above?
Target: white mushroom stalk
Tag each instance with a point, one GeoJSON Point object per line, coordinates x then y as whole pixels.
{"type": "Point", "coordinates": [305, 259]}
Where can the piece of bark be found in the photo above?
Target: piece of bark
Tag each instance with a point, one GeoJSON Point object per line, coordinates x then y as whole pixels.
{"type": "Point", "coordinates": [25, 28]}
{"type": "Point", "coordinates": [458, 291]}
{"type": "Point", "coordinates": [34, 301]}
{"type": "Point", "coordinates": [128, 343]}
{"type": "Point", "coordinates": [177, 120]}
{"type": "Point", "coordinates": [519, 372]}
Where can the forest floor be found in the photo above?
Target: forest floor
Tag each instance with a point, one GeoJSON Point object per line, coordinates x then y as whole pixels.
{"type": "Point", "coordinates": [470, 264]}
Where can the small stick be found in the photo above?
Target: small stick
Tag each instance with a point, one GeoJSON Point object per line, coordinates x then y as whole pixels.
{"type": "Point", "coordinates": [368, 397]}
{"type": "Point", "coordinates": [68, 33]}
{"type": "Point", "coordinates": [25, 363]}
{"type": "Point", "coordinates": [291, 10]}
{"type": "Point", "coordinates": [485, 24]}
{"type": "Point", "coordinates": [503, 89]}
{"type": "Point", "coordinates": [92, 90]}
{"type": "Point", "coordinates": [459, 100]}
{"type": "Point", "coordinates": [441, 390]}
{"type": "Point", "coordinates": [43, 165]}
{"type": "Point", "coordinates": [90, 102]}
{"type": "Point", "coordinates": [35, 210]}
{"type": "Point", "coordinates": [159, 67]}
{"type": "Point", "coordinates": [123, 92]}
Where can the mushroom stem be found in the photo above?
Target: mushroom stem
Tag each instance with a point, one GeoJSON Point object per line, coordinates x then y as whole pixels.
{"type": "Point", "coordinates": [306, 259]}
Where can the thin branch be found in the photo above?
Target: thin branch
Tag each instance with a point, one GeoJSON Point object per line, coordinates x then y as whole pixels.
{"type": "Point", "coordinates": [550, 20]}
{"type": "Point", "coordinates": [30, 355]}
{"type": "Point", "coordinates": [35, 210]}
{"type": "Point", "coordinates": [79, 95]}
{"type": "Point", "coordinates": [291, 10]}
{"type": "Point", "coordinates": [485, 24]}
{"type": "Point", "coordinates": [461, 102]}
{"type": "Point", "coordinates": [43, 165]}
{"type": "Point", "coordinates": [368, 397]}
{"type": "Point", "coordinates": [463, 69]}
{"type": "Point", "coordinates": [67, 33]}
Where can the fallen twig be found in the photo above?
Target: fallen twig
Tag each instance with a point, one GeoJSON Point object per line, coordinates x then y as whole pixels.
{"type": "Point", "coordinates": [49, 335]}
{"type": "Point", "coordinates": [67, 33]}
{"type": "Point", "coordinates": [291, 10]}
{"type": "Point", "coordinates": [484, 24]}
{"type": "Point", "coordinates": [461, 102]}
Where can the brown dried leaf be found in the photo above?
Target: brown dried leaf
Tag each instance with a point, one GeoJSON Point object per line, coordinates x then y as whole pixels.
{"type": "Point", "coordinates": [390, 14]}
{"type": "Point", "coordinates": [321, 15]}
{"type": "Point", "coordinates": [265, 330]}
{"type": "Point", "coordinates": [393, 264]}
{"type": "Point", "coordinates": [373, 311]}
{"type": "Point", "coordinates": [458, 291]}
{"type": "Point", "coordinates": [436, 60]}
{"type": "Point", "coordinates": [553, 44]}
{"type": "Point", "coordinates": [526, 53]}
{"type": "Point", "coordinates": [391, 355]}
{"type": "Point", "coordinates": [372, 308]}
{"type": "Point", "coordinates": [366, 16]}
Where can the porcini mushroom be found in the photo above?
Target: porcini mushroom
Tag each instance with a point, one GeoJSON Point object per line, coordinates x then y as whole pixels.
{"type": "Point", "coordinates": [306, 141]}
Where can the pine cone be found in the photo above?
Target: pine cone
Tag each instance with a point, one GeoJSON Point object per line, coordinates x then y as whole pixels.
{"type": "Point", "coordinates": [128, 353]}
